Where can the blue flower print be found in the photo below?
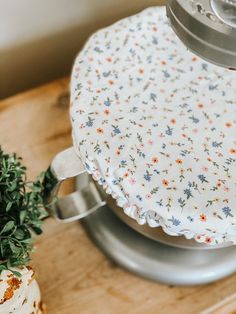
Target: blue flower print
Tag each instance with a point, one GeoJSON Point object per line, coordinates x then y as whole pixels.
{"type": "Point", "coordinates": [175, 221]}
{"type": "Point", "coordinates": [227, 211]}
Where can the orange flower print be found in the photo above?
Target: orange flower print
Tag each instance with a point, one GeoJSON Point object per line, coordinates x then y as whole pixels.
{"type": "Point", "coordinates": [109, 59]}
{"type": "Point", "coordinates": [154, 28]}
{"type": "Point", "coordinates": [163, 62]}
{"type": "Point", "coordinates": [106, 112]}
{"type": "Point", "coordinates": [194, 59]}
{"type": "Point", "coordinates": [173, 121]}
{"type": "Point", "coordinates": [203, 217]}
{"type": "Point", "coordinates": [155, 160]}
{"type": "Point", "coordinates": [233, 151]}
{"type": "Point", "coordinates": [118, 152]}
{"type": "Point", "coordinates": [165, 182]}
{"type": "Point", "coordinates": [179, 161]}
{"type": "Point", "coordinates": [200, 105]}
{"type": "Point", "coordinates": [228, 124]}
{"type": "Point", "coordinates": [126, 175]}
{"type": "Point", "coordinates": [100, 130]}
{"type": "Point", "coordinates": [110, 82]}
{"type": "Point", "coordinates": [141, 71]}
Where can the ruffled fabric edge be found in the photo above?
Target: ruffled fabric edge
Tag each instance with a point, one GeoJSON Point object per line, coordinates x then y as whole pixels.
{"type": "Point", "coordinates": [146, 217]}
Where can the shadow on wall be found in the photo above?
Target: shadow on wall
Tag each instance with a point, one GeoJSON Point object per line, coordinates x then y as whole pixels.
{"type": "Point", "coordinates": [39, 61]}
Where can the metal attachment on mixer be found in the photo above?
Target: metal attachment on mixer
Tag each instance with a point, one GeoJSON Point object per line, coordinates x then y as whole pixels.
{"type": "Point", "coordinates": [76, 205]}
{"type": "Point", "coordinates": [225, 10]}
{"type": "Point", "coordinates": [207, 27]}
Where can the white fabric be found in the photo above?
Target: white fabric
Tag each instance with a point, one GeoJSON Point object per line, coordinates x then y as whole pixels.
{"type": "Point", "coordinates": [156, 126]}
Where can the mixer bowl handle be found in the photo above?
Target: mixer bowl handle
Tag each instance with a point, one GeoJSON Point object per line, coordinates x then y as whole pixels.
{"type": "Point", "coordinates": [78, 204]}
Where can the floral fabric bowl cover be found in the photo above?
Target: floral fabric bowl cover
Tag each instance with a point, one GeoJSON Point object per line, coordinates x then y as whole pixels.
{"type": "Point", "coordinates": [156, 126]}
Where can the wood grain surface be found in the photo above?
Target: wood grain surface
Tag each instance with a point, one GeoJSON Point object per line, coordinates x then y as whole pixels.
{"type": "Point", "coordinates": [74, 276]}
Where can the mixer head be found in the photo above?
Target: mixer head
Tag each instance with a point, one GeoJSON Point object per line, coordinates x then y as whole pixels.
{"type": "Point", "coordinates": [207, 27]}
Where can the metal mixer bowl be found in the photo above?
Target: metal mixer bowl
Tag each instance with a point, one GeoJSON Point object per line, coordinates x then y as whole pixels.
{"type": "Point", "coordinates": [89, 196]}
{"type": "Point", "coordinates": [157, 233]}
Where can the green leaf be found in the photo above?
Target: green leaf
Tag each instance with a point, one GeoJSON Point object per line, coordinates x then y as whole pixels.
{"type": "Point", "coordinates": [19, 234]}
{"type": "Point", "coordinates": [23, 215]}
{"type": "Point", "coordinates": [8, 227]}
{"type": "Point", "coordinates": [12, 247]}
{"type": "Point", "coordinates": [37, 230]}
{"type": "Point", "coordinates": [29, 240]}
{"type": "Point", "coordinates": [13, 186]}
{"type": "Point", "coordinates": [9, 205]}
{"type": "Point", "coordinates": [2, 267]}
{"type": "Point", "coordinates": [16, 273]}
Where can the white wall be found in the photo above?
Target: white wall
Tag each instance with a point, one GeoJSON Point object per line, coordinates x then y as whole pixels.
{"type": "Point", "coordinates": [40, 38]}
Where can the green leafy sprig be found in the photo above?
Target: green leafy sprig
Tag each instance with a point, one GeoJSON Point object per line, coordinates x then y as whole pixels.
{"type": "Point", "coordinates": [21, 211]}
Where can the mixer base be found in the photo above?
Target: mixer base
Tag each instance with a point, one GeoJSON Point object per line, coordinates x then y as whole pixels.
{"type": "Point", "coordinates": [153, 260]}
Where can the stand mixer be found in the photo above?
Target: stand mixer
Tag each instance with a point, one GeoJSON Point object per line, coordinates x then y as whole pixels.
{"type": "Point", "coordinates": [208, 29]}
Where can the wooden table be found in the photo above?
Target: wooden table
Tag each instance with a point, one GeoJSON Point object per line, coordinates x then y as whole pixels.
{"type": "Point", "coordinates": [75, 277]}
